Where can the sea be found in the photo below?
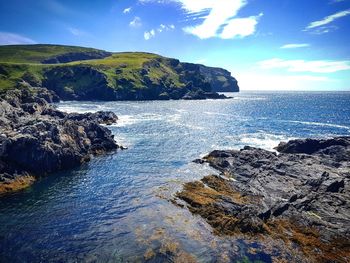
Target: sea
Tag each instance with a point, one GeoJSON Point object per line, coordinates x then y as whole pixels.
{"type": "Point", "coordinates": [121, 207]}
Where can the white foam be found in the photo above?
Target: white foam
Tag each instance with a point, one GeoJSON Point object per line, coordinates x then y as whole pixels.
{"type": "Point", "coordinates": [249, 98]}
{"type": "Point", "coordinates": [260, 140]}
{"type": "Point", "coordinates": [177, 120]}
{"type": "Point", "coordinates": [124, 120]}
{"type": "Point", "coordinates": [217, 113]}
{"type": "Point", "coordinates": [322, 124]}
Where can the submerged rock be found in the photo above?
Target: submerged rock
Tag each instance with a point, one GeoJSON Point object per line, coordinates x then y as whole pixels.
{"type": "Point", "coordinates": [300, 197]}
{"type": "Point", "coordinates": [36, 139]}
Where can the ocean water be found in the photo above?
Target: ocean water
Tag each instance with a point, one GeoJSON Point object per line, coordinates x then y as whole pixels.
{"type": "Point", "coordinates": [117, 208]}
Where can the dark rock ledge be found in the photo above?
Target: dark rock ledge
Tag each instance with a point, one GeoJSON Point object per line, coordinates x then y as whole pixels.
{"type": "Point", "coordinates": [296, 202]}
{"type": "Point", "coordinates": [36, 139]}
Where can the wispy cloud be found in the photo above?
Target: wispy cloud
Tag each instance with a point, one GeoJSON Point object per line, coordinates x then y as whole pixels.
{"type": "Point", "coordinates": [240, 27]}
{"type": "Point", "coordinates": [127, 10]}
{"type": "Point", "coordinates": [321, 25]}
{"type": "Point", "coordinates": [289, 46]}
{"type": "Point", "coordinates": [315, 66]}
{"type": "Point", "coordinates": [215, 18]}
{"type": "Point", "coordinates": [77, 32]}
{"type": "Point", "coordinates": [163, 27]}
{"type": "Point", "coordinates": [57, 7]}
{"type": "Point", "coordinates": [336, 1]}
{"type": "Point", "coordinates": [219, 19]}
{"type": "Point", "coordinates": [136, 22]}
{"type": "Point", "coordinates": [149, 34]}
{"type": "Point", "coordinates": [152, 33]}
{"type": "Point", "coordinates": [7, 38]}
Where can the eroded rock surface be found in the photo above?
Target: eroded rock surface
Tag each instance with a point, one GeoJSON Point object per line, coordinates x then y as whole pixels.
{"type": "Point", "coordinates": [299, 196]}
{"type": "Point", "coordinates": [36, 139]}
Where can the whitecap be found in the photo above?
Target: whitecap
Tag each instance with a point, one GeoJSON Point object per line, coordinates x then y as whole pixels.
{"type": "Point", "coordinates": [260, 140]}
{"type": "Point", "coordinates": [321, 124]}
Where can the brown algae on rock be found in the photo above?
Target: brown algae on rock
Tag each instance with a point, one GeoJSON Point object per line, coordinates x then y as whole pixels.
{"type": "Point", "coordinates": [17, 184]}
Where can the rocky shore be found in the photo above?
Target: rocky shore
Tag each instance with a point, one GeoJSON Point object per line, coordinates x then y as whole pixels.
{"type": "Point", "coordinates": [36, 139]}
{"type": "Point", "coordinates": [295, 202]}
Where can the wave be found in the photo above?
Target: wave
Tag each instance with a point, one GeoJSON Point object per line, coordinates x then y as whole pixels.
{"type": "Point", "coordinates": [250, 98]}
{"type": "Point", "coordinates": [176, 119]}
{"type": "Point", "coordinates": [217, 113]}
{"type": "Point", "coordinates": [259, 140]}
{"type": "Point", "coordinates": [124, 120]}
{"type": "Point", "coordinates": [322, 124]}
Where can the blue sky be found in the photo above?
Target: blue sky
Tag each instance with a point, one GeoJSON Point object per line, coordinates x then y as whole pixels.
{"type": "Point", "coordinates": [284, 44]}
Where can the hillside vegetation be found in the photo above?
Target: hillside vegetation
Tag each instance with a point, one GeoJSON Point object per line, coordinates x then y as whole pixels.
{"type": "Point", "coordinates": [91, 74]}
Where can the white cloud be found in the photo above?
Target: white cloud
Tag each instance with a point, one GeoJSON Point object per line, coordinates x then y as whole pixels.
{"type": "Point", "coordinates": [218, 18]}
{"type": "Point", "coordinates": [240, 27]}
{"type": "Point", "coordinates": [161, 28]}
{"type": "Point", "coordinates": [219, 13]}
{"type": "Point", "coordinates": [315, 66]}
{"type": "Point", "coordinates": [7, 38]}
{"type": "Point", "coordinates": [149, 34]}
{"type": "Point", "coordinates": [127, 10]}
{"type": "Point", "coordinates": [136, 22]}
{"type": "Point", "coordinates": [288, 46]}
{"type": "Point", "coordinates": [328, 19]}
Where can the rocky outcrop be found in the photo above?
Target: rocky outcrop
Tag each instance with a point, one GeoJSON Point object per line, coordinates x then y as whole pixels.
{"type": "Point", "coordinates": [36, 139]}
{"type": "Point", "coordinates": [78, 83]}
{"type": "Point", "coordinates": [220, 79]}
{"type": "Point", "coordinates": [296, 201]}
{"type": "Point", "coordinates": [83, 82]}
{"type": "Point", "coordinates": [101, 75]}
{"type": "Point", "coordinates": [76, 56]}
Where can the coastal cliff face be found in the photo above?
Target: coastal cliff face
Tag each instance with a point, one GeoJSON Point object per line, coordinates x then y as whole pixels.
{"type": "Point", "coordinates": [297, 201]}
{"type": "Point", "coordinates": [219, 79]}
{"type": "Point", "coordinates": [76, 73]}
{"type": "Point", "coordinates": [36, 139]}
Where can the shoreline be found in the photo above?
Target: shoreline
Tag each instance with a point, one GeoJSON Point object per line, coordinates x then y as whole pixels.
{"type": "Point", "coordinates": [36, 139]}
{"type": "Point", "coordinates": [295, 200]}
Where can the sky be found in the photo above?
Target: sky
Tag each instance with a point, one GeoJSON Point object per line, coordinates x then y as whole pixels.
{"type": "Point", "coordinates": [266, 45]}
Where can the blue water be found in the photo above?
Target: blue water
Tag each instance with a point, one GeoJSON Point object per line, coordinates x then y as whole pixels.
{"type": "Point", "coordinates": [116, 208]}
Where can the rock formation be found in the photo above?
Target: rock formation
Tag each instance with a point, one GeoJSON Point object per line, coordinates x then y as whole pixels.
{"type": "Point", "coordinates": [77, 73]}
{"type": "Point", "coordinates": [36, 139]}
{"type": "Point", "coordinates": [298, 198]}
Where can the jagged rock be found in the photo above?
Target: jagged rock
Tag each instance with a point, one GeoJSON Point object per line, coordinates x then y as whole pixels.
{"type": "Point", "coordinates": [36, 139]}
{"type": "Point", "coordinates": [310, 146]}
{"type": "Point", "coordinates": [219, 79]}
{"type": "Point", "coordinates": [300, 196]}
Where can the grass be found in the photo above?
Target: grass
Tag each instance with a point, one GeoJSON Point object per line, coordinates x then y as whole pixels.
{"type": "Point", "coordinates": [36, 53]}
{"type": "Point", "coordinates": [18, 60]}
{"type": "Point", "coordinates": [11, 73]}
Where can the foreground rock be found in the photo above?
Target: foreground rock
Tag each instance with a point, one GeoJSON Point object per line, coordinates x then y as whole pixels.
{"type": "Point", "coordinates": [36, 139]}
{"type": "Point", "coordinates": [296, 202]}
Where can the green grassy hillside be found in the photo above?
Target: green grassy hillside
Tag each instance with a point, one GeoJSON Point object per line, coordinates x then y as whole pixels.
{"type": "Point", "coordinates": [86, 73]}
{"type": "Point", "coordinates": [36, 53]}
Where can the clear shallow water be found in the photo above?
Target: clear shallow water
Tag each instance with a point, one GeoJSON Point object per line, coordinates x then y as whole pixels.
{"type": "Point", "coordinates": [116, 208]}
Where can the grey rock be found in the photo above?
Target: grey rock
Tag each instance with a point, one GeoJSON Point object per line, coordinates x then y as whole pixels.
{"type": "Point", "coordinates": [38, 139]}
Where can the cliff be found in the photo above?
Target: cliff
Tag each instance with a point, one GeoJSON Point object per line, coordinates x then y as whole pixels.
{"type": "Point", "coordinates": [77, 73]}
